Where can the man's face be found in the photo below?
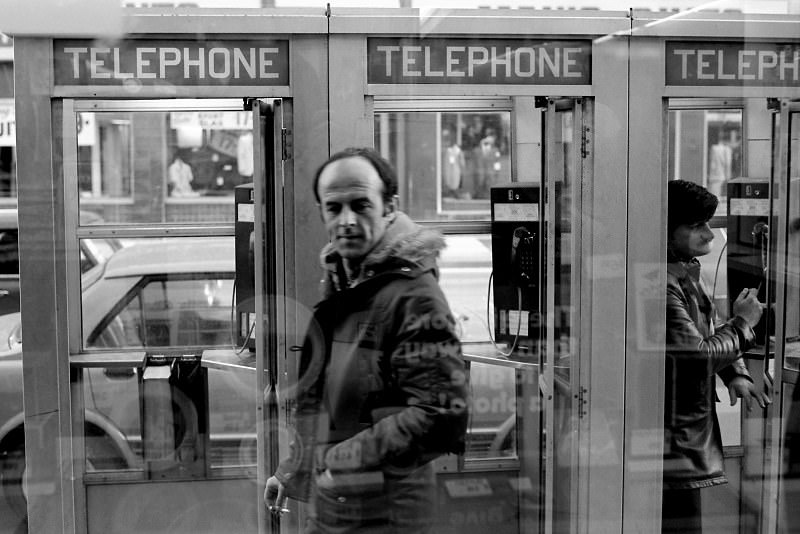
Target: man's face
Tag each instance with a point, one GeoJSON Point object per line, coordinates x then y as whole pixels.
{"type": "Point", "coordinates": [351, 201]}
{"type": "Point", "coordinates": [692, 240]}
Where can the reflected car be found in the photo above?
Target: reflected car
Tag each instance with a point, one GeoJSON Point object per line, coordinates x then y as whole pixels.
{"type": "Point", "coordinates": [150, 295]}
{"type": "Point", "coordinates": [177, 292]}
{"type": "Point", "coordinates": [93, 252]}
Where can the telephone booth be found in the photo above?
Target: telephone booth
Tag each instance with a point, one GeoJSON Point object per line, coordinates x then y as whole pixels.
{"type": "Point", "coordinates": [472, 110]}
{"type": "Point", "coordinates": [721, 107]}
{"type": "Point", "coordinates": [169, 246]}
{"type": "Point", "coordinates": [151, 382]}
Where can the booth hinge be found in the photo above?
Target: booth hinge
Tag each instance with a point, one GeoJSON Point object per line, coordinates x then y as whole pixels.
{"type": "Point", "coordinates": [585, 141]}
{"type": "Point", "coordinates": [286, 144]}
{"type": "Point", "coordinates": [583, 401]}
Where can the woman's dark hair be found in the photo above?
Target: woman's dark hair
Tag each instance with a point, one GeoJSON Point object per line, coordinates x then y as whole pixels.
{"type": "Point", "coordinates": [384, 168]}
{"type": "Point", "coordinates": [688, 203]}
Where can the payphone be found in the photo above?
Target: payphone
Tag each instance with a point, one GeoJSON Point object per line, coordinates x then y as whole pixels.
{"type": "Point", "coordinates": [245, 291]}
{"type": "Point", "coordinates": [748, 245]}
{"type": "Point", "coordinates": [516, 211]}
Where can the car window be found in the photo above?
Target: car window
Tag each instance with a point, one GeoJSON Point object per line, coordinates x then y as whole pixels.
{"type": "Point", "coordinates": [9, 252]}
{"type": "Point", "coordinates": [170, 311]}
{"type": "Point", "coordinates": [96, 251]}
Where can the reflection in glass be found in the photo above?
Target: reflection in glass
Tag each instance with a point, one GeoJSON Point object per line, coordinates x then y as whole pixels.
{"type": "Point", "coordinates": [163, 166]}
{"type": "Point", "coordinates": [172, 292]}
{"type": "Point", "coordinates": [221, 435]}
{"type": "Point", "coordinates": [706, 147]}
{"type": "Point", "coordinates": [464, 268]}
{"type": "Point", "coordinates": [564, 175]}
{"type": "Point", "coordinates": [446, 161]}
{"type": "Point", "coordinates": [493, 412]}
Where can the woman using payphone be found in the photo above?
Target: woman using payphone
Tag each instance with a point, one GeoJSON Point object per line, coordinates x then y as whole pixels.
{"type": "Point", "coordinates": [697, 350]}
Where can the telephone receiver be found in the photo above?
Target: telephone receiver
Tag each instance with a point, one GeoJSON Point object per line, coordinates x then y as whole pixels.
{"type": "Point", "coordinates": [761, 239]}
{"type": "Point", "coordinates": [522, 257]}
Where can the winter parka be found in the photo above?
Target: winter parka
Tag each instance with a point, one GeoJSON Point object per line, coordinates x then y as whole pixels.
{"type": "Point", "coordinates": [382, 386]}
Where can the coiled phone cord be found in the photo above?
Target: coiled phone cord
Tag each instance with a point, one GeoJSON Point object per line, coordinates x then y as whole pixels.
{"type": "Point", "coordinates": [519, 318]}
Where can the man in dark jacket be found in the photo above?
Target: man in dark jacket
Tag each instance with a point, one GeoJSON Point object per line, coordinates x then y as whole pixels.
{"type": "Point", "coordinates": [382, 388]}
{"type": "Point", "coordinates": [697, 351]}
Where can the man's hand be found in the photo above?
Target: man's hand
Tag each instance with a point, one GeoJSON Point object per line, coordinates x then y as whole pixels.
{"type": "Point", "coordinates": [744, 388]}
{"type": "Point", "coordinates": [748, 307]}
{"type": "Point", "coordinates": [274, 496]}
{"type": "Point", "coordinates": [325, 480]}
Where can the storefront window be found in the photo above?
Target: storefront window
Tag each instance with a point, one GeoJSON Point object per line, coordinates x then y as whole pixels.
{"type": "Point", "coordinates": [706, 147]}
{"type": "Point", "coordinates": [446, 161]}
{"type": "Point", "coordinates": [163, 166]}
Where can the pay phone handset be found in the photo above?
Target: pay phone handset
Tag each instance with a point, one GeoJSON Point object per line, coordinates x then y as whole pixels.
{"type": "Point", "coordinates": [524, 260]}
{"type": "Point", "coordinates": [760, 235]}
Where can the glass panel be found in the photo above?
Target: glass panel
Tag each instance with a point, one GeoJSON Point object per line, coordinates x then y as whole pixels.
{"type": "Point", "coordinates": [226, 434]}
{"type": "Point", "coordinates": [446, 161]}
{"type": "Point", "coordinates": [706, 147]}
{"type": "Point", "coordinates": [493, 413]}
{"type": "Point", "coordinates": [464, 269]}
{"type": "Point", "coordinates": [112, 394]}
{"type": "Point", "coordinates": [167, 293]}
{"type": "Point", "coordinates": [792, 316]}
{"type": "Point", "coordinates": [566, 178]}
{"type": "Point", "coordinates": [162, 166]}
{"type": "Point", "coordinates": [9, 251]}
{"type": "Point", "coordinates": [789, 490]}
{"type": "Point", "coordinates": [8, 142]}
{"type": "Point", "coordinates": [171, 292]}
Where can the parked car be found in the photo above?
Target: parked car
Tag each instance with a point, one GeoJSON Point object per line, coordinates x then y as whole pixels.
{"type": "Point", "coordinates": [92, 252]}
{"type": "Point", "coordinates": [158, 293]}
{"type": "Point", "coordinates": [163, 293]}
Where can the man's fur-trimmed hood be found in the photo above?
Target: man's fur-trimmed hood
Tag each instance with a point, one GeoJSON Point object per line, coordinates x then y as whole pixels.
{"type": "Point", "coordinates": [404, 242]}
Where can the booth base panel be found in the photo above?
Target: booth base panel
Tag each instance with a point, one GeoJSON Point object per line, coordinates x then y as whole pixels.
{"type": "Point", "coordinates": [196, 507]}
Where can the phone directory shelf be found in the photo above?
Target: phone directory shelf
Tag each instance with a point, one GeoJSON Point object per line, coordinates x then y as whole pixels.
{"type": "Point", "coordinates": [229, 359]}
{"type": "Point", "coordinates": [501, 361]}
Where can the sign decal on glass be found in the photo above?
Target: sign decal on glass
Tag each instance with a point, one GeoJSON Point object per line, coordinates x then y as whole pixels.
{"type": "Point", "coordinates": [170, 62]}
{"type": "Point", "coordinates": [479, 61]}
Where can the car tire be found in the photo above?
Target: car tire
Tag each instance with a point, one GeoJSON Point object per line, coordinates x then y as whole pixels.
{"type": "Point", "coordinates": [102, 453]}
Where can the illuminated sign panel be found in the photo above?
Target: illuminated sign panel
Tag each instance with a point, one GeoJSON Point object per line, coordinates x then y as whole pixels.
{"type": "Point", "coordinates": [171, 62]}
{"type": "Point", "coordinates": [479, 61]}
{"type": "Point", "coordinates": [736, 64]}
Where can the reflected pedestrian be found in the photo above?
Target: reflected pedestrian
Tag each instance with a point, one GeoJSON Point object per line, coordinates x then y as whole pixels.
{"type": "Point", "coordinates": [698, 351]}
{"type": "Point", "coordinates": [382, 388]}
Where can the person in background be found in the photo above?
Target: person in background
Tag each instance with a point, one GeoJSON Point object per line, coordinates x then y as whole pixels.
{"type": "Point", "coordinates": [697, 351]}
{"type": "Point", "coordinates": [382, 385]}
{"type": "Point", "coordinates": [487, 164]}
{"type": "Point", "coordinates": [720, 160]}
{"type": "Point", "coordinates": [453, 164]}
{"type": "Point", "coordinates": [181, 176]}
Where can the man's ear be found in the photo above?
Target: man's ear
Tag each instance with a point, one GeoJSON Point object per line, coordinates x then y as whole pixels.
{"type": "Point", "coordinates": [319, 210]}
{"type": "Point", "coordinates": [391, 206]}
{"type": "Point", "coordinates": [388, 208]}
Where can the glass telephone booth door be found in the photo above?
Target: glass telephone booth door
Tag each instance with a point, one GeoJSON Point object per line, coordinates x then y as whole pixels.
{"type": "Point", "coordinates": [175, 344]}
{"type": "Point", "coordinates": [522, 466]}
{"type": "Point", "coordinates": [567, 165]}
{"type": "Point", "coordinates": [782, 468]}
